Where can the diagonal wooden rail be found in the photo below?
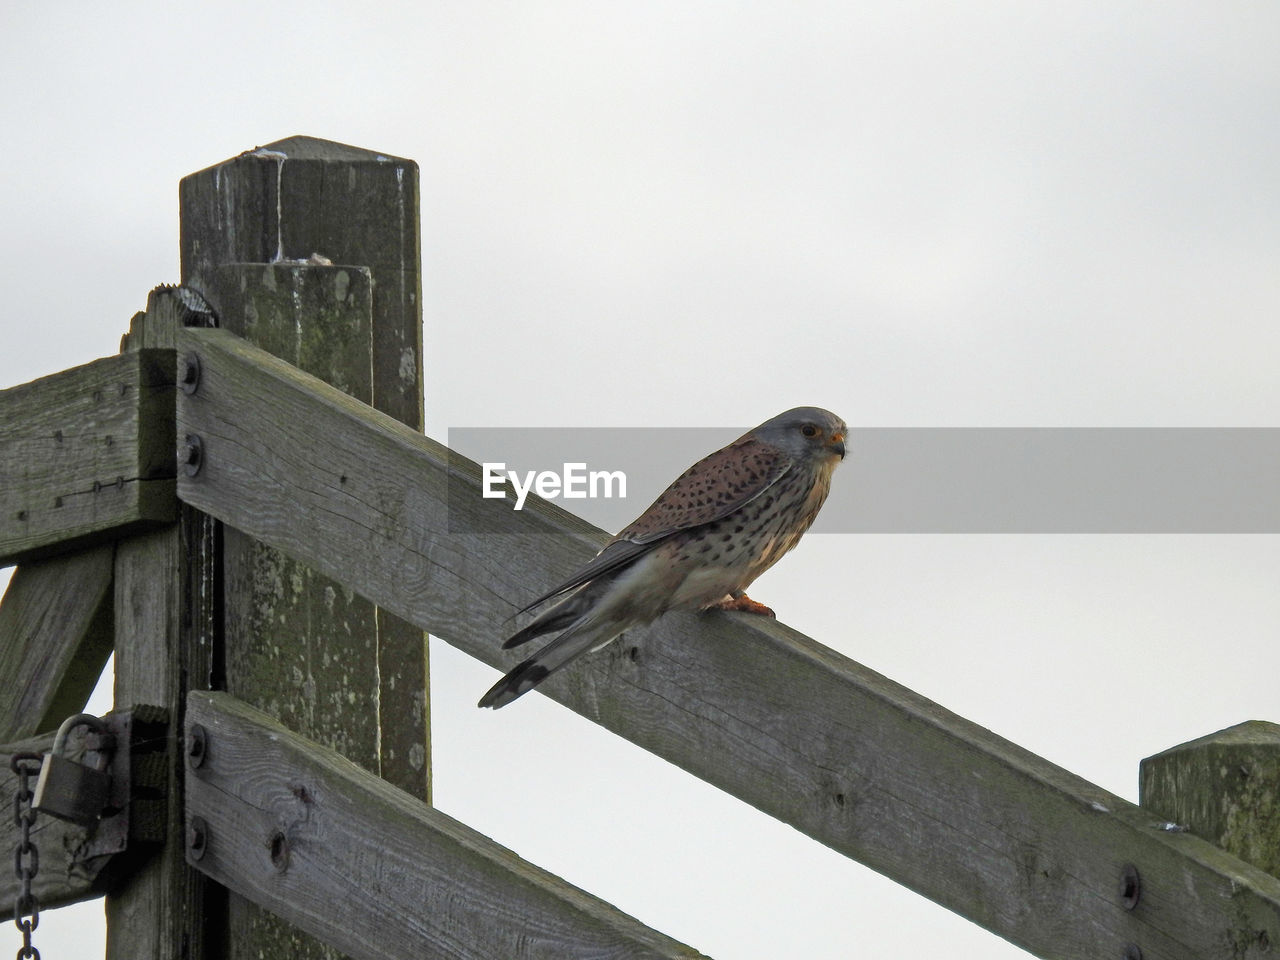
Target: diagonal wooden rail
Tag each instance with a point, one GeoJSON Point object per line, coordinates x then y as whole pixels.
{"type": "Point", "coordinates": [865, 766]}
{"type": "Point", "coordinates": [61, 609]}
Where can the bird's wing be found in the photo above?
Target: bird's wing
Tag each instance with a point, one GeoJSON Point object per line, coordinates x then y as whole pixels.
{"type": "Point", "coordinates": [711, 489]}
{"type": "Point", "coordinates": [616, 554]}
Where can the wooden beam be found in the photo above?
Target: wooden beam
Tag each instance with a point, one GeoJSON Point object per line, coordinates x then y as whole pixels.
{"type": "Point", "coordinates": [55, 638]}
{"type": "Point", "coordinates": [366, 868]}
{"type": "Point", "coordinates": [86, 455]}
{"type": "Point", "coordinates": [865, 766]}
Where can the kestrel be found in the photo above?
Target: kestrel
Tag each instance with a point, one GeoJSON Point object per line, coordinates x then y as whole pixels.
{"type": "Point", "coordinates": [722, 523]}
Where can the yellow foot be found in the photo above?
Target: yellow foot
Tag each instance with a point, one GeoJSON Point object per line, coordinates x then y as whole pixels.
{"type": "Point", "coordinates": [745, 604]}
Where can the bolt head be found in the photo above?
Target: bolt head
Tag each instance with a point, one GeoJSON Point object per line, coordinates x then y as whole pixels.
{"type": "Point", "coordinates": [197, 745]}
{"type": "Point", "coordinates": [197, 838]}
{"type": "Point", "coordinates": [189, 372]}
{"type": "Point", "coordinates": [191, 456]}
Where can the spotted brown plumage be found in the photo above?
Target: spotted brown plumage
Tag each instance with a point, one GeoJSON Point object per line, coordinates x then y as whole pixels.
{"type": "Point", "coordinates": [720, 524]}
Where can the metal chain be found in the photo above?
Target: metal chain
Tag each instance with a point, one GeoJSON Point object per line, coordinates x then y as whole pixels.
{"type": "Point", "coordinates": [26, 858]}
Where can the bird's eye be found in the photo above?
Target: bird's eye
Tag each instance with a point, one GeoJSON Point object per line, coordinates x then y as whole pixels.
{"type": "Point", "coordinates": [809, 430]}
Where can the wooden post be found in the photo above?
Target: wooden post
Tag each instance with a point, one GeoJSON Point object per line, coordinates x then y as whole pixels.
{"type": "Point", "coordinates": [165, 635]}
{"type": "Point", "coordinates": [309, 249]}
{"type": "Point", "coordinates": [1224, 788]}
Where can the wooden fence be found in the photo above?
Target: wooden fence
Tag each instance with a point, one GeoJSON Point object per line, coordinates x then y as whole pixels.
{"type": "Point", "coordinates": [200, 503]}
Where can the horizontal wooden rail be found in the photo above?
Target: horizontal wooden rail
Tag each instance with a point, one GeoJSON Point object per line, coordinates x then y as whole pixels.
{"type": "Point", "coordinates": [86, 455]}
{"type": "Point", "coordinates": [865, 766]}
{"type": "Point", "coordinates": [368, 869]}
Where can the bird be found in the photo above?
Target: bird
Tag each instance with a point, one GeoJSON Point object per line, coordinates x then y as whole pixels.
{"type": "Point", "coordinates": [699, 545]}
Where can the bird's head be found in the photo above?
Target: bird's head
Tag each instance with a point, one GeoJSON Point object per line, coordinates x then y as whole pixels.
{"type": "Point", "coordinates": [805, 433]}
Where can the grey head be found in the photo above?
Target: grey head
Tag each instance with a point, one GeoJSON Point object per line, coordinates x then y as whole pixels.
{"type": "Point", "coordinates": [804, 433]}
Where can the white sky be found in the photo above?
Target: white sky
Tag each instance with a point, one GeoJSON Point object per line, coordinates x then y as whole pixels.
{"type": "Point", "coordinates": [914, 214]}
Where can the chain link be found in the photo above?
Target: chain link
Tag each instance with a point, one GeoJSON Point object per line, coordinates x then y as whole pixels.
{"type": "Point", "coordinates": [26, 858]}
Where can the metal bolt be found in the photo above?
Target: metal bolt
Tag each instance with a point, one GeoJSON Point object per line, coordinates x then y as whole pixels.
{"type": "Point", "coordinates": [189, 373]}
{"type": "Point", "coordinates": [192, 455]}
{"type": "Point", "coordinates": [1130, 886]}
{"type": "Point", "coordinates": [197, 838]}
{"type": "Point", "coordinates": [197, 745]}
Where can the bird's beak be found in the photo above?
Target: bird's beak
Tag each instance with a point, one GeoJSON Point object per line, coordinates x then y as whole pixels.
{"type": "Point", "coordinates": [837, 444]}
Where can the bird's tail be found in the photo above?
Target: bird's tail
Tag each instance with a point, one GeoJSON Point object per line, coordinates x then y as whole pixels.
{"type": "Point", "coordinates": [586, 634]}
{"type": "Point", "coordinates": [557, 618]}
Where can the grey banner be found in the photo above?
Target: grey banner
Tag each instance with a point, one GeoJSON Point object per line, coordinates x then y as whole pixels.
{"type": "Point", "coordinates": [927, 480]}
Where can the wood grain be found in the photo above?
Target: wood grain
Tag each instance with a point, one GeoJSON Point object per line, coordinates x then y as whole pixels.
{"type": "Point", "coordinates": [858, 762]}
{"type": "Point", "coordinates": [55, 638]}
{"type": "Point", "coordinates": [327, 663]}
{"type": "Point", "coordinates": [1224, 787]}
{"type": "Point", "coordinates": [86, 455]}
{"type": "Point", "coordinates": [164, 641]}
{"type": "Point", "coordinates": [363, 866]}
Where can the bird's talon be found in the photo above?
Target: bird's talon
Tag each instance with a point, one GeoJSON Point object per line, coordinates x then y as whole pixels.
{"type": "Point", "coordinates": [744, 604]}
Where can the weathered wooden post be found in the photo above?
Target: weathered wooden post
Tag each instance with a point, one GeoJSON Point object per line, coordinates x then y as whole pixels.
{"type": "Point", "coordinates": [1224, 788]}
{"type": "Point", "coordinates": [310, 250]}
{"type": "Point", "coordinates": [165, 640]}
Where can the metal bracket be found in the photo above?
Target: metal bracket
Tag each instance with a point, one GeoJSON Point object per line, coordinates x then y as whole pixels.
{"type": "Point", "coordinates": [112, 833]}
{"type": "Point", "coordinates": [130, 746]}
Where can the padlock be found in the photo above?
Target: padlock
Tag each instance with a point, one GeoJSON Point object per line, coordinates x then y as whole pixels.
{"type": "Point", "coordinates": [69, 790]}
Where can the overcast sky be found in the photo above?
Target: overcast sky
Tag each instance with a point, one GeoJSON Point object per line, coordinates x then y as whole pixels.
{"type": "Point", "coordinates": [701, 214]}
